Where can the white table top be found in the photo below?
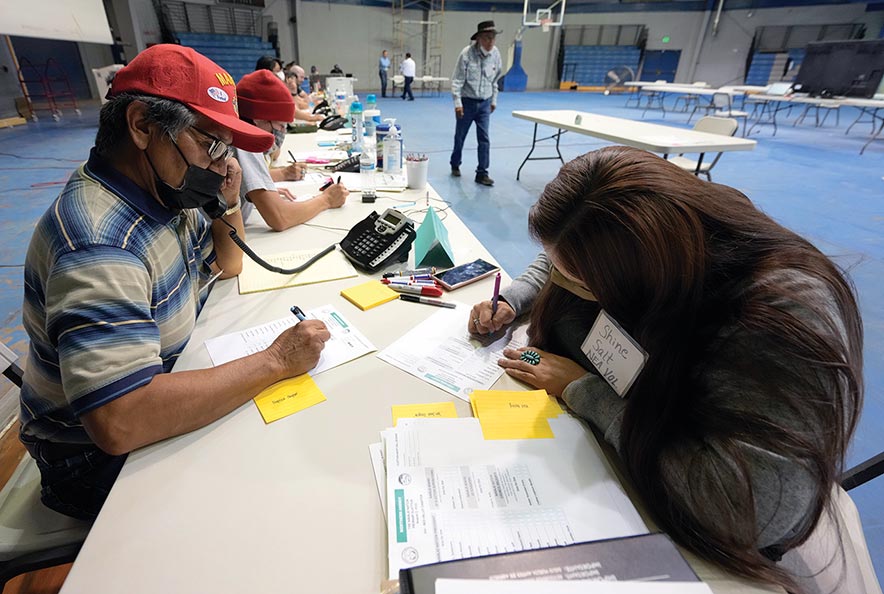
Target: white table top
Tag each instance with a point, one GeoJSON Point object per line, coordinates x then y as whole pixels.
{"type": "Point", "coordinates": [240, 506]}
{"type": "Point", "coordinates": [650, 137]}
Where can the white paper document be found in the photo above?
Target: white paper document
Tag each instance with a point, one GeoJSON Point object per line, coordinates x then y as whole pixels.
{"type": "Point", "coordinates": [379, 468]}
{"type": "Point", "coordinates": [441, 352]}
{"type": "Point", "coordinates": [456, 586]}
{"type": "Point", "coordinates": [346, 342]}
{"type": "Point", "coordinates": [452, 495]}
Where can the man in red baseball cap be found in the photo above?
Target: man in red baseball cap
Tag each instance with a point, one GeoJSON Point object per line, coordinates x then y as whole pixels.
{"type": "Point", "coordinates": [266, 102]}
{"type": "Point", "coordinates": [118, 269]}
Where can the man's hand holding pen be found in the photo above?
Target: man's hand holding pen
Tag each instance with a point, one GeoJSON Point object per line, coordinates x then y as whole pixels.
{"type": "Point", "coordinates": [335, 194]}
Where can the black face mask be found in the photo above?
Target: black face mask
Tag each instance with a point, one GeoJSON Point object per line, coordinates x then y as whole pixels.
{"type": "Point", "coordinates": [200, 189]}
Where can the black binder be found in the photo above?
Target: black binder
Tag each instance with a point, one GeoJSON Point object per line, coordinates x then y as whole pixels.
{"type": "Point", "coordinates": [645, 557]}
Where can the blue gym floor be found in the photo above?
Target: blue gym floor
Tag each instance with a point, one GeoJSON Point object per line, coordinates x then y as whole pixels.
{"type": "Point", "coordinates": [810, 179]}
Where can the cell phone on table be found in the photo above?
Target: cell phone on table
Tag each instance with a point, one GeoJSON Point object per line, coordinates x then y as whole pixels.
{"type": "Point", "coordinates": [455, 278]}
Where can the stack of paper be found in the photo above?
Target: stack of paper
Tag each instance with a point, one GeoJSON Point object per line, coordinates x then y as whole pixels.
{"type": "Point", "coordinates": [514, 414]}
{"type": "Point", "coordinates": [454, 495]}
{"type": "Point", "coordinates": [443, 353]}
{"type": "Point", "coordinates": [255, 278]}
{"type": "Point", "coordinates": [294, 394]}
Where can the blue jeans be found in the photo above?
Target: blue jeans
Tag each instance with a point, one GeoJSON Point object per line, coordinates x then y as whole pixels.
{"type": "Point", "coordinates": [383, 75]}
{"type": "Point", "coordinates": [477, 110]}
{"type": "Point", "coordinates": [407, 90]}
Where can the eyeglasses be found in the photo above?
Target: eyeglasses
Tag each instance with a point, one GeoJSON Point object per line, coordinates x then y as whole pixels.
{"type": "Point", "coordinates": [557, 278]}
{"type": "Point", "coordinates": [218, 150]}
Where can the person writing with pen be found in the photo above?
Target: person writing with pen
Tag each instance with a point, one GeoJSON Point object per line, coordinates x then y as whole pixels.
{"type": "Point", "coordinates": [735, 429]}
{"type": "Point", "coordinates": [265, 101]}
{"type": "Point", "coordinates": [118, 270]}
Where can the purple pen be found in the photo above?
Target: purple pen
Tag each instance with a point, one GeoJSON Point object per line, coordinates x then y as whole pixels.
{"type": "Point", "coordinates": [496, 295]}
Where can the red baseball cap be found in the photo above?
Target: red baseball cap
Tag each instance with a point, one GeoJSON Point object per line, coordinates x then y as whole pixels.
{"type": "Point", "coordinates": [184, 75]}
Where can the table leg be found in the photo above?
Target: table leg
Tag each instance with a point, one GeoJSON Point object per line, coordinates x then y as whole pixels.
{"type": "Point", "coordinates": [873, 137]}
{"type": "Point", "coordinates": [534, 141]}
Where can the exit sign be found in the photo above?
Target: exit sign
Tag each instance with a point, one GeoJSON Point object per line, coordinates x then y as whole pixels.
{"type": "Point", "coordinates": [665, 39]}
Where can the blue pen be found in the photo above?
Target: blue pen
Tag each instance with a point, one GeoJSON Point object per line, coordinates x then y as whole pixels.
{"type": "Point", "coordinates": [298, 313]}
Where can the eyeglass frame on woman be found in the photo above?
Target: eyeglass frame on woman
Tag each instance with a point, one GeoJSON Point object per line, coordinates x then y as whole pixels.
{"type": "Point", "coordinates": [559, 279]}
{"type": "Point", "coordinates": [217, 143]}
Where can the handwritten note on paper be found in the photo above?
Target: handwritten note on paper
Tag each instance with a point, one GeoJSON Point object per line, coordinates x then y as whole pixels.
{"type": "Point", "coordinates": [288, 397]}
{"type": "Point", "coordinates": [614, 353]}
{"type": "Point", "coordinates": [432, 410]}
{"type": "Point", "coordinates": [514, 414]}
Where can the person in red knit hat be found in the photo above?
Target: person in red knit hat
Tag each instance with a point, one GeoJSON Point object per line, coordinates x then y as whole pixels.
{"type": "Point", "coordinates": [265, 101]}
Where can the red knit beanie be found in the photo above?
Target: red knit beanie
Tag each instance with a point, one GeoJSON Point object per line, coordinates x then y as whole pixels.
{"type": "Point", "coordinates": [263, 96]}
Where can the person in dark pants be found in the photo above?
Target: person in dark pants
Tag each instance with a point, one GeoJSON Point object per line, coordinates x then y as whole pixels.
{"type": "Point", "coordinates": [474, 89]}
{"type": "Point", "coordinates": [383, 67]}
{"type": "Point", "coordinates": [407, 68]}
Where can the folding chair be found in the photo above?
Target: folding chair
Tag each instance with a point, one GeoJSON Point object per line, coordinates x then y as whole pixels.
{"type": "Point", "coordinates": [32, 536]}
{"type": "Point", "coordinates": [712, 125]}
{"type": "Point", "coordinates": [723, 104]}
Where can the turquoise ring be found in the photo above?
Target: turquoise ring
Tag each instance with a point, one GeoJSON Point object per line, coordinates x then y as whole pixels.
{"type": "Point", "coordinates": [530, 357]}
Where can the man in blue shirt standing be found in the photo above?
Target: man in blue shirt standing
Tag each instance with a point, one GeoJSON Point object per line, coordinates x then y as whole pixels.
{"type": "Point", "coordinates": [474, 88]}
{"type": "Point", "coordinates": [383, 67]}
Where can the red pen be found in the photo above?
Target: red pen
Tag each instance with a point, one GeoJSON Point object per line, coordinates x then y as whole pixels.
{"type": "Point", "coordinates": [417, 290]}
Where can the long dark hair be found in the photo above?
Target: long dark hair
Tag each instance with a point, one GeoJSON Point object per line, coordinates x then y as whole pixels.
{"type": "Point", "coordinates": [679, 263]}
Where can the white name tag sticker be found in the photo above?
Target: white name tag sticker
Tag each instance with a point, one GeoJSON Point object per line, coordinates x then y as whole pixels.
{"type": "Point", "coordinates": [614, 353]}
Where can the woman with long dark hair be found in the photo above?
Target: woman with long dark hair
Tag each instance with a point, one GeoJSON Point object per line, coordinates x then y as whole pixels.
{"type": "Point", "coordinates": [735, 429]}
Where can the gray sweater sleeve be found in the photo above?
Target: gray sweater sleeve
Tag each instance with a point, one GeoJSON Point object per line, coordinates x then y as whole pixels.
{"type": "Point", "coordinates": [525, 288]}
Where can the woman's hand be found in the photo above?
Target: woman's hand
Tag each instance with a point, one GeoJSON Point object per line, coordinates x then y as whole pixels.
{"type": "Point", "coordinates": [552, 373]}
{"type": "Point", "coordinates": [294, 171]}
{"type": "Point", "coordinates": [481, 321]}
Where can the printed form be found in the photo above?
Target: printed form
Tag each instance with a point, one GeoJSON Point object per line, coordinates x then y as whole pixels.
{"type": "Point", "coordinates": [451, 494]}
{"type": "Point", "coordinates": [346, 342]}
{"type": "Point", "coordinates": [441, 352]}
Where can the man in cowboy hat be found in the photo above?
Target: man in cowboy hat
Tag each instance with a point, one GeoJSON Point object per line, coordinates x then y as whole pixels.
{"type": "Point", "coordinates": [474, 88]}
{"type": "Point", "coordinates": [117, 273]}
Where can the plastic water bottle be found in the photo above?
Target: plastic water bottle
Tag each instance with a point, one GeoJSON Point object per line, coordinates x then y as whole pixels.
{"type": "Point", "coordinates": [371, 101]}
{"type": "Point", "coordinates": [367, 167]}
{"type": "Point", "coordinates": [340, 99]}
{"type": "Point", "coordinates": [393, 149]}
{"type": "Point", "coordinates": [356, 125]}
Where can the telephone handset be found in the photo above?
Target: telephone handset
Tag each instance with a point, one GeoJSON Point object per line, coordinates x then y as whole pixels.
{"type": "Point", "coordinates": [379, 239]}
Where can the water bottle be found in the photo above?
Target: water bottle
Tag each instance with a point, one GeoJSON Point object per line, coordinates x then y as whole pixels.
{"type": "Point", "coordinates": [367, 167]}
{"type": "Point", "coordinates": [356, 125]}
{"type": "Point", "coordinates": [340, 99]}
{"type": "Point", "coordinates": [371, 118]}
{"type": "Point", "coordinates": [371, 102]}
{"type": "Point", "coordinates": [393, 149]}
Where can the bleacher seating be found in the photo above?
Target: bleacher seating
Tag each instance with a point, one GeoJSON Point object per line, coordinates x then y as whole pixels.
{"type": "Point", "coordinates": [592, 62]}
{"type": "Point", "coordinates": [237, 54]}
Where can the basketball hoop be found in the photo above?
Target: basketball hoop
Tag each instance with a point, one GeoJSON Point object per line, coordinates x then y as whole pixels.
{"type": "Point", "coordinates": [544, 25]}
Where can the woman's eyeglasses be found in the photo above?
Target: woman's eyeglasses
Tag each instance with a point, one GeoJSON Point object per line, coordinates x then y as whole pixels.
{"type": "Point", "coordinates": [557, 278]}
{"type": "Point", "coordinates": [218, 150]}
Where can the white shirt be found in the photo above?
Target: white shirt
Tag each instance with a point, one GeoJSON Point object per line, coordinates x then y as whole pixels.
{"type": "Point", "coordinates": [407, 67]}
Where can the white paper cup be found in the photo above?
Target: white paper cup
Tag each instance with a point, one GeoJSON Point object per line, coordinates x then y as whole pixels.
{"type": "Point", "coordinates": [416, 173]}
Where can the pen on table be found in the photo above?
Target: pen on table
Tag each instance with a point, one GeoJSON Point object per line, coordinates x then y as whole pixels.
{"type": "Point", "coordinates": [298, 313]}
{"type": "Point", "coordinates": [496, 295]}
{"type": "Point", "coordinates": [427, 301]}
{"type": "Point", "coordinates": [423, 290]}
{"type": "Point", "coordinates": [415, 272]}
{"type": "Point", "coordinates": [409, 283]}
{"type": "Point", "coordinates": [327, 185]}
{"type": "Point", "coordinates": [398, 277]}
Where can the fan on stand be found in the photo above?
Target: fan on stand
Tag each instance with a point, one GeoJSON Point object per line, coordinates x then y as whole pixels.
{"type": "Point", "coordinates": [617, 76]}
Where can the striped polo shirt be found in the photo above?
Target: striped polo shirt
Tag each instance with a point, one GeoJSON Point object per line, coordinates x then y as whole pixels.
{"type": "Point", "coordinates": [113, 285]}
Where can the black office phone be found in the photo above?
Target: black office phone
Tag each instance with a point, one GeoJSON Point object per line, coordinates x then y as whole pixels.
{"type": "Point", "coordinates": [379, 239]}
{"type": "Point", "coordinates": [348, 165]}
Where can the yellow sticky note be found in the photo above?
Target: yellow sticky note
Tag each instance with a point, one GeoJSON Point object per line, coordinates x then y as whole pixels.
{"type": "Point", "coordinates": [288, 397]}
{"type": "Point", "coordinates": [432, 410]}
{"type": "Point", "coordinates": [537, 428]}
{"type": "Point", "coordinates": [370, 294]}
{"type": "Point", "coordinates": [497, 403]}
